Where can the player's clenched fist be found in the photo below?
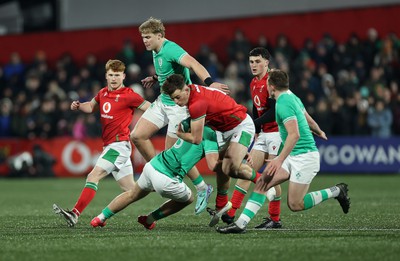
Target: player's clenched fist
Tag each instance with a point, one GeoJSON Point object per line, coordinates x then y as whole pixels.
{"type": "Point", "coordinates": [75, 105]}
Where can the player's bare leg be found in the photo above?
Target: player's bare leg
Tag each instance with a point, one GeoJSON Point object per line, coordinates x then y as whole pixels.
{"type": "Point", "coordinates": [255, 202]}
{"type": "Point", "coordinates": [119, 203]}
{"type": "Point", "coordinates": [222, 204]}
{"type": "Point", "coordinates": [168, 208]}
{"type": "Point", "coordinates": [242, 186]}
{"type": "Point", "coordinates": [233, 158]}
{"type": "Point", "coordinates": [274, 207]}
{"type": "Point", "coordinates": [140, 137]}
{"type": "Point", "coordinates": [86, 196]}
{"type": "Point", "coordinates": [126, 183]}
{"type": "Point", "coordinates": [171, 206]}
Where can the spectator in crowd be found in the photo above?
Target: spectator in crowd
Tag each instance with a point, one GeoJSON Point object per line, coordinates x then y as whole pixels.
{"type": "Point", "coordinates": [370, 48]}
{"type": "Point", "coordinates": [133, 74]}
{"type": "Point", "coordinates": [79, 128]}
{"type": "Point", "coordinates": [239, 44]}
{"type": "Point", "coordinates": [284, 47]}
{"type": "Point", "coordinates": [5, 117]}
{"type": "Point", "coordinates": [262, 41]}
{"type": "Point", "coordinates": [127, 53]}
{"type": "Point", "coordinates": [96, 71]}
{"type": "Point", "coordinates": [15, 68]}
{"type": "Point", "coordinates": [380, 120]}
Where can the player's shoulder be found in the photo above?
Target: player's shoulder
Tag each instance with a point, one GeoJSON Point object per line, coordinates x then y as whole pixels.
{"type": "Point", "coordinates": [287, 99]}
{"type": "Point", "coordinates": [195, 88]}
{"type": "Point", "coordinates": [283, 99]}
{"type": "Point", "coordinates": [130, 92]}
{"type": "Point", "coordinates": [127, 89]}
{"type": "Point", "coordinates": [170, 43]}
{"type": "Point", "coordinates": [102, 91]}
{"type": "Point", "coordinates": [169, 46]}
{"type": "Point", "coordinates": [172, 48]}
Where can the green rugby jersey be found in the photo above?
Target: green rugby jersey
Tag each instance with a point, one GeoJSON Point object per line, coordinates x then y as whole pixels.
{"type": "Point", "coordinates": [180, 158]}
{"type": "Point", "coordinates": [166, 63]}
{"type": "Point", "coordinates": [288, 107]}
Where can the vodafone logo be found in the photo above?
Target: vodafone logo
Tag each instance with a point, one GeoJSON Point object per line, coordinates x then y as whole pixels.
{"type": "Point", "coordinates": [74, 150]}
{"type": "Point", "coordinates": [107, 107]}
{"type": "Point", "coordinates": [257, 100]}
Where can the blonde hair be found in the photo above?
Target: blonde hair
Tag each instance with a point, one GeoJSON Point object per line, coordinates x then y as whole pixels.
{"type": "Point", "coordinates": [152, 26]}
{"type": "Point", "coordinates": [115, 65]}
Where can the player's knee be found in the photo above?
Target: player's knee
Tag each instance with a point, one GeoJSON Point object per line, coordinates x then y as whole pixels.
{"type": "Point", "coordinates": [187, 199]}
{"type": "Point", "coordinates": [233, 171]}
{"type": "Point", "coordinates": [229, 168]}
{"type": "Point", "coordinates": [136, 137]}
{"type": "Point", "coordinates": [131, 194]}
{"type": "Point", "coordinates": [295, 205]}
{"type": "Point", "coordinates": [190, 200]}
{"type": "Point", "coordinates": [126, 187]}
{"type": "Point", "coordinates": [94, 176]}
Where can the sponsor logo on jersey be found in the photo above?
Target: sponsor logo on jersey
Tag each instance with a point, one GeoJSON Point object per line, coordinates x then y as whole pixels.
{"type": "Point", "coordinates": [103, 115]}
{"type": "Point", "coordinates": [257, 101]}
{"type": "Point", "coordinates": [106, 109]}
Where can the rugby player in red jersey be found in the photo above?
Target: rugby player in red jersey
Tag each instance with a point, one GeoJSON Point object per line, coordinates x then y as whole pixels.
{"type": "Point", "coordinates": [234, 127]}
{"type": "Point", "coordinates": [117, 104]}
{"type": "Point", "coordinates": [267, 142]}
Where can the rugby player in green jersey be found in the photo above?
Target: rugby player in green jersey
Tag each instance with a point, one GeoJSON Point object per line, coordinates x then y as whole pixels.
{"type": "Point", "coordinates": [169, 58]}
{"type": "Point", "coordinates": [298, 162]}
{"type": "Point", "coordinates": [164, 174]}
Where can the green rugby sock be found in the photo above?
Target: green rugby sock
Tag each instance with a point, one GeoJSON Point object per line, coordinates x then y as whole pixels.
{"type": "Point", "coordinates": [316, 197]}
{"type": "Point", "coordinates": [255, 202]}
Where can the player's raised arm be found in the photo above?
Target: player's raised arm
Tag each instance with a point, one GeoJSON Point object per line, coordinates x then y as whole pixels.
{"type": "Point", "coordinates": [201, 72]}
{"type": "Point", "coordinates": [86, 107]}
{"type": "Point", "coordinates": [315, 127]}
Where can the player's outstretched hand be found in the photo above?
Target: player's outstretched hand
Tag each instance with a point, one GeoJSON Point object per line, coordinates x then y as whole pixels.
{"type": "Point", "coordinates": [148, 82]}
{"type": "Point", "coordinates": [75, 105]}
{"type": "Point", "coordinates": [221, 87]}
{"type": "Point", "coordinates": [322, 135]}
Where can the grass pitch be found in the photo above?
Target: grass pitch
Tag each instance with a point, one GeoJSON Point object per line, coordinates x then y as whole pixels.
{"type": "Point", "coordinates": [29, 230]}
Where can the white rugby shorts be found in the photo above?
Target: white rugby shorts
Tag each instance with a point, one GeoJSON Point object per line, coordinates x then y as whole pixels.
{"type": "Point", "coordinates": [268, 142]}
{"type": "Point", "coordinates": [116, 159]}
{"type": "Point", "coordinates": [161, 115]}
{"type": "Point", "coordinates": [302, 168]}
{"type": "Point", "coordinates": [167, 187]}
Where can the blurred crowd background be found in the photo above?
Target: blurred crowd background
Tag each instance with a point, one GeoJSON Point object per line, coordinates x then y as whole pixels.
{"type": "Point", "coordinates": [350, 88]}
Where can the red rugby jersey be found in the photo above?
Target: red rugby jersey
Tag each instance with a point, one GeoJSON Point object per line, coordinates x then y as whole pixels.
{"type": "Point", "coordinates": [222, 113]}
{"type": "Point", "coordinates": [259, 94]}
{"type": "Point", "coordinates": [116, 112]}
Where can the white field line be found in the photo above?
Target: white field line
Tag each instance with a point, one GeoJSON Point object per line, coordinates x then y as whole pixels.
{"type": "Point", "coordinates": [328, 229]}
